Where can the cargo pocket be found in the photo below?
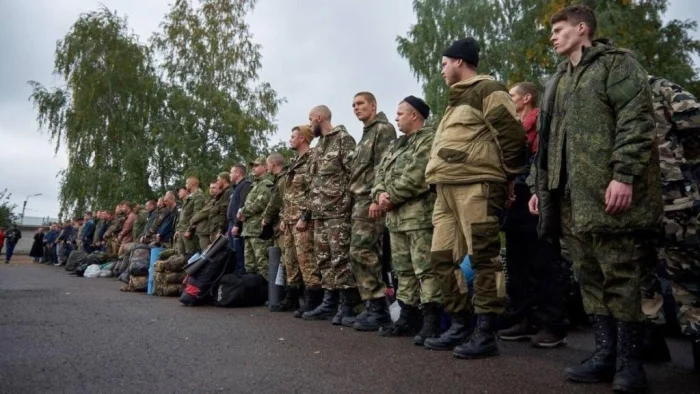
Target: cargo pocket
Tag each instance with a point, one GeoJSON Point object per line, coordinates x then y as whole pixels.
{"type": "Point", "coordinates": [452, 155]}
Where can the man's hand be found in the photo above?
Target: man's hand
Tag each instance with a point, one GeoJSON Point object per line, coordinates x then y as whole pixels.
{"type": "Point", "coordinates": [283, 226]}
{"type": "Point", "coordinates": [177, 234]}
{"type": "Point", "coordinates": [264, 222]}
{"type": "Point", "coordinates": [301, 225]}
{"type": "Point", "coordinates": [533, 205]}
{"type": "Point", "coordinates": [510, 197]}
{"type": "Point", "coordinates": [385, 203]}
{"type": "Point", "coordinates": [374, 211]}
{"type": "Point", "coordinates": [235, 230]}
{"type": "Point", "coordinates": [158, 237]}
{"type": "Point", "coordinates": [188, 235]}
{"type": "Point", "coordinates": [618, 197]}
{"type": "Point", "coordinates": [240, 217]}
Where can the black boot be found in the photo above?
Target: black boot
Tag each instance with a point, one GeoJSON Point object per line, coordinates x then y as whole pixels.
{"type": "Point", "coordinates": [455, 335]}
{"type": "Point", "coordinates": [655, 348]}
{"type": "Point", "coordinates": [349, 298]}
{"type": "Point", "coordinates": [349, 321]}
{"type": "Point", "coordinates": [482, 343]}
{"type": "Point", "coordinates": [407, 324]}
{"type": "Point", "coordinates": [312, 299]}
{"type": "Point", "coordinates": [290, 301]}
{"type": "Point", "coordinates": [377, 316]}
{"type": "Point", "coordinates": [431, 323]}
{"type": "Point", "coordinates": [599, 366]}
{"type": "Point", "coordinates": [327, 309]}
{"type": "Point", "coordinates": [630, 376]}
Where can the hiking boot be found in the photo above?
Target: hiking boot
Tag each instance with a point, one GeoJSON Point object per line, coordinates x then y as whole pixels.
{"type": "Point", "coordinates": [377, 316]}
{"type": "Point", "coordinates": [482, 342]}
{"type": "Point", "coordinates": [431, 323]}
{"type": "Point", "coordinates": [407, 324]}
{"type": "Point", "coordinates": [548, 339]}
{"type": "Point", "coordinates": [655, 349]}
{"type": "Point", "coordinates": [455, 335]}
{"type": "Point", "coordinates": [312, 299]}
{"type": "Point", "coordinates": [521, 331]}
{"type": "Point", "coordinates": [630, 376]}
{"type": "Point", "coordinates": [290, 301]}
{"type": "Point", "coordinates": [326, 310]}
{"type": "Point", "coordinates": [599, 366]}
{"type": "Point", "coordinates": [349, 298]}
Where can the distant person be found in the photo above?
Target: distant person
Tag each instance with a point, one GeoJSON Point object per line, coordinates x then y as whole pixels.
{"type": "Point", "coordinates": [37, 251]}
{"type": "Point", "coordinates": [2, 238]}
{"type": "Point", "coordinates": [13, 236]}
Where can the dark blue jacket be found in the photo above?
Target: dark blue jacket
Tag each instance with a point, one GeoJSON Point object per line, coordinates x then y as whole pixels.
{"type": "Point", "coordinates": [238, 197]}
{"type": "Point", "coordinates": [165, 231]}
{"type": "Point", "coordinates": [88, 232]}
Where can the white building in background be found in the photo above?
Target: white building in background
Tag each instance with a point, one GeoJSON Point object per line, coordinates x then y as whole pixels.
{"type": "Point", "coordinates": [28, 227]}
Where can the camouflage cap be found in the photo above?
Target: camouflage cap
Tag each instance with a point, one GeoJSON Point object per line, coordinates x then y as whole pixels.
{"type": "Point", "coordinates": [259, 160]}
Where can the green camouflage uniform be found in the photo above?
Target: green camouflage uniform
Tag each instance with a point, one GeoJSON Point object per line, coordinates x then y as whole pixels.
{"type": "Point", "coordinates": [160, 214]}
{"type": "Point", "coordinates": [193, 203]}
{"type": "Point", "coordinates": [299, 262]}
{"type": "Point", "coordinates": [274, 207]}
{"type": "Point", "coordinates": [602, 129]}
{"type": "Point", "coordinates": [96, 238]}
{"type": "Point", "coordinates": [678, 132]}
{"type": "Point", "coordinates": [110, 236]}
{"type": "Point", "coordinates": [331, 205]}
{"type": "Point", "coordinates": [140, 224]}
{"type": "Point", "coordinates": [217, 216]}
{"type": "Point", "coordinates": [365, 242]}
{"type": "Point", "coordinates": [256, 249]}
{"type": "Point", "coordinates": [199, 224]}
{"type": "Point", "coordinates": [401, 174]}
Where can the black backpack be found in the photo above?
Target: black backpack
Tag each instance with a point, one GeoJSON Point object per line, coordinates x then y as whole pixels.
{"type": "Point", "coordinates": [235, 290]}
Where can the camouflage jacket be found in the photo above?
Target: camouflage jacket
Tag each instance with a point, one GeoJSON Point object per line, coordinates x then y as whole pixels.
{"type": "Point", "coordinates": [376, 137]}
{"type": "Point", "coordinates": [401, 174]}
{"type": "Point", "coordinates": [116, 227]}
{"type": "Point", "coordinates": [678, 132]}
{"type": "Point", "coordinates": [160, 214]}
{"type": "Point", "coordinates": [96, 238]}
{"type": "Point", "coordinates": [255, 204]}
{"type": "Point", "coordinates": [199, 224]}
{"type": "Point", "coordinates": [330, 173]}
{"type": "Point", "coordinates": [599, 117]}
{"type": "Point", "coordinates": [274, 207]}
{"type": "Point", "coordinates": [480, 138]}
{"type": "Point", "coordinates": [193, 203]}
{"type": "Point", "coordinates": [296, 189]}
{"type": "Point", "coordinates": [217, 215]}
{"type": "Point", "coordinates": [140, 223]}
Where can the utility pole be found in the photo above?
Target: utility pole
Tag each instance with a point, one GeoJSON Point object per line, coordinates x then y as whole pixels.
{"type": "Point", "coordinates": [24, 206]}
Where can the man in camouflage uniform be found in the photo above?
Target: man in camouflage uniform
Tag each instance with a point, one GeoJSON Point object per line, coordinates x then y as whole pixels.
{"type": "Point", "coordinates": [199, 224]}
{"type": "Point", "coordinates": [330, 203]}
{"type": "Point", "coordinates": [217, 216]}
{"type": "Point", "coordinates": [598, 182]}
{"type": "Point", "coordinates": [150, 215]}
{"type": "Point", "coordinates": [401, 191]}
{"type": "Point", "coordinates": [271, 217]}
{"type": "Point", "coordinates": [299, 261]}
{"type": "Point", "coordinates": [110, 237]}
{"type": "Point", "coordinates": [367, 219]}
{"type": "Point", "coordinates": [192, 202]}
{"type": "Point", "coordinates": [140, 222]}
{"type": "Point", "coordinates": [158, 216]}
{"type": "Point", "coordinates": [678, 132]}
{"type": "Point", "coordinates": [256, 249]}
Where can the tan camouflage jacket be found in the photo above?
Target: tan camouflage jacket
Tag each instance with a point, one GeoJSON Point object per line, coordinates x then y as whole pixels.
{"type": "Point", "coordinates": [330, 195]}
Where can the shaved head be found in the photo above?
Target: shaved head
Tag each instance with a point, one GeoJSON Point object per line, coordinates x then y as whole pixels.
{"type": "Point", "coordinates": [322, 111]}
{"type": "Point", "coordinates": [276, 159]}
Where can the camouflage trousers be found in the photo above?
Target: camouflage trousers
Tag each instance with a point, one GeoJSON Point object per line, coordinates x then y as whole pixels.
{"type": "Point", "coordinates": [204, 241]}
{"type": "Point", "coordinates": [466, 222]}
{"type": "Point", "coordinates": [679, 257]}
{"type": "Point", "coordinates": [331, 247]}
{"type": "Point", "coordinates": [299, 257]}
{"type": "Point", "coordinates": [609, 268]}
{"type": "Point", "coordinates": [366, 251]}
{"type": "Point", "coordinates": [186, 246]}
{"type": "Point", "coordinates": [410, 259]}
{"type": "Point", "coordinates": [256, 255]}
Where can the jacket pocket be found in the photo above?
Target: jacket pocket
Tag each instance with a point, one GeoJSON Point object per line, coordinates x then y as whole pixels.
{"type": "Point", "coordinates": [452, 155]}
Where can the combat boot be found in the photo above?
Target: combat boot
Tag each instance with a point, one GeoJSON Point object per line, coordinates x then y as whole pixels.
{"type": "Point", "coordinates": [455, 335]}
{"type": "Point", "coordinates": [431, 323]}
{"type": "Point", "coordinates": [599, 366]}
{"type": "Point", "coordinates": [655, 348]}
{"type": "Point", "coordinates": [290, 301]}
{"type": "Point", "coordinates": [312, 299]}
{"type": "Point", "coordinates": [630, 376]}
{"type": "Point", "coordinates": [377, 316]}
{"type": "Point", "coordinates": [349, 321]}
{"type": "Point", "coordinates": [482, 342]}
{"type": "Point", "coordinates": [349, 298]}
{"type": "Point", "coordinates": [407, 324]}
{"type": "Point", "coordinates": [326, 310]}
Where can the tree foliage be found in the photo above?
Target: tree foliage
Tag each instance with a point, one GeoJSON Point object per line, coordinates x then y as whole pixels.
{"type": "Point", "coordinates": [136, 118]}
{"type": "Point", "coordinates": [514, 36]}
{"type": "Point", "coordinates": [7, 210]}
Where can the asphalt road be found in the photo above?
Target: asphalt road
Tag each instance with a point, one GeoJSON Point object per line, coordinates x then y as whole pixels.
{"type": "Point", "coordinates": [59, 333]}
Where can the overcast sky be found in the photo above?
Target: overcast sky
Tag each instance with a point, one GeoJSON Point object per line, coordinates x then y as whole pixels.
{"type": "Point", "coordinates": [314, 52]}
